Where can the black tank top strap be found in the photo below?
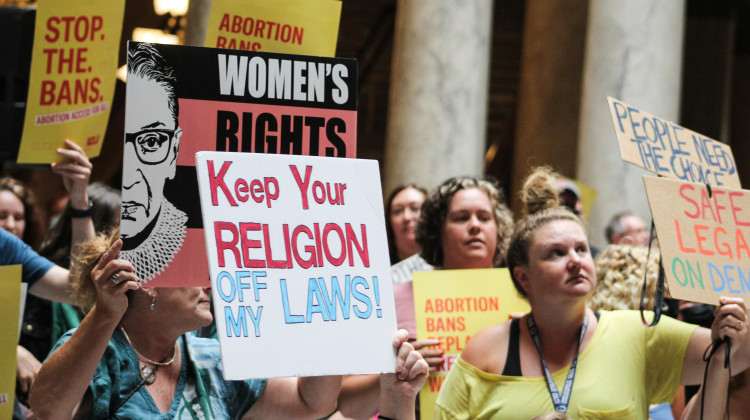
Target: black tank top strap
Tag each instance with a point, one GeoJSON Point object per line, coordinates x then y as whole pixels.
{"type": "Point", "coordinates": [513, 359]}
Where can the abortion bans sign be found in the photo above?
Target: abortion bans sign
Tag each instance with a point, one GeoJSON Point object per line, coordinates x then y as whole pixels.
{"type": "Point", "coordinates": [704, 235]}
{"type": "Point", "coordinates": [299, 264]}
{"type": "Point", "coordinates": [451, 309]}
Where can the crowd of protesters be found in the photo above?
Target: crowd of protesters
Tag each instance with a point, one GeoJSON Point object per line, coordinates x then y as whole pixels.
{"type": "Point", "coordinates": [581, 323]}
{"type": "Point", "coordinates": [582, 351]}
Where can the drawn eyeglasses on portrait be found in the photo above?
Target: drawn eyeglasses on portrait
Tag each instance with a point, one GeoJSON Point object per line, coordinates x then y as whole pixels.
{"type": "Point", "coordinates": [152, 145]}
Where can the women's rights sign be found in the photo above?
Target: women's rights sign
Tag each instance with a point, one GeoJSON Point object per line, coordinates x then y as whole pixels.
{"type": "Point", "coordinates": [704, 236]}
{"type": "Point", "coordinates": [299, 265]}
{"type": "Point", "coordinates": [669, 150]}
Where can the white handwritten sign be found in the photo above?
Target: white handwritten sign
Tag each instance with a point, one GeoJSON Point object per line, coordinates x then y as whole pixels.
{"type": "Point", "coordinates": [299, 264]}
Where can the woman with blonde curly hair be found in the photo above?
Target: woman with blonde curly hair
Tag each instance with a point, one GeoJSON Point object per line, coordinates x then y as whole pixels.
{"type": "Point", "coordinates": [620, 271]}
{"type": "Point", "coordinates": [564, 357]}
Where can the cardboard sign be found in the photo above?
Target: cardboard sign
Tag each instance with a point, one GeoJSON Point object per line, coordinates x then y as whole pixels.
{"type": "Point", "coordinates": [196, 99]}
{"type": "Point", "coordinates": [453, 305]}
{"type": "Point", "coordinates": [72, 81]}
{"type": "Point", "coordinates": [670, 150]}
{"type": "Point", "coordinates": [308, 27]}
{"type": "Point", "coordinates": [10, 293]}
{"type": "Point", "coordinates": [704, 238]}
{"type": "Point", "coordinates": [299, 263]}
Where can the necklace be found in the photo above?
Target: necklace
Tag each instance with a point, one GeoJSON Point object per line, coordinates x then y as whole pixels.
{"type": "Point", "coordinates": [148, 370]}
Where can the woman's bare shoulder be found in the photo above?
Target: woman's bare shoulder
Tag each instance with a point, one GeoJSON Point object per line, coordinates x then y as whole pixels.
{"type": "Point", "coordinates": [487, 349]}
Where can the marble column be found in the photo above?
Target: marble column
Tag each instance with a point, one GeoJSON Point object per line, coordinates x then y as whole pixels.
{"type": "Point", "coordinates": [197, 22]}
{"type": "Point", "coordinates": [438, 95]}
{"type": "Point", "coordinates": [633, 53]}
{"type": "Point", "coordinates": [549, 95]}
{"type": "Point", "coordinates": [740, 109]}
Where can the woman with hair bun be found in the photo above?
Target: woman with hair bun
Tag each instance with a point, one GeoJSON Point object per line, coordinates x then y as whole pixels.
{"type": "Point", "coordinates": [564, 357]}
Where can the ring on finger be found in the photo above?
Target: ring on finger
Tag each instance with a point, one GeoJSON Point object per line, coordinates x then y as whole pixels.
{"type": "Point", "coordinates": [115, 278]}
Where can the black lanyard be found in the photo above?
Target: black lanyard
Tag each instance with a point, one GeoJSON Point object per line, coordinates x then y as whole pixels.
{"type": "Point", "coordinates": [659, 294]}
{"type": "Point", "coordinates": [560, 403]}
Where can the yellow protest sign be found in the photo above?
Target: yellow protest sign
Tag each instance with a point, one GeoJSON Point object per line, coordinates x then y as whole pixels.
{"type": "Point", "coordinates": [10, 296]}
{"type": "Point", "coordinates": [453, 305]}
{"type": "Point", "coordinates": [72, 81]}
{"type": "Point", "coordinates": [309, 27]}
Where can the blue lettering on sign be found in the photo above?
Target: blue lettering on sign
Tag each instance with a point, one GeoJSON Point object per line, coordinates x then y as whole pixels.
{"type": "Point", "coordinates": [331, 301]}
{"type": "Point", "coordinates": [220, 280]}
{"type": "Point", "coordinates": [237, 326]}
{"type": "Point", "coordinates": [237, 285]}
{"type": "Point", "coordinates": [315, 301]}
{"type": "Point", "coordinates": [361, 297]}
{"type": "Point", "coordinates": [711, 270]}
{"type": "Point", "coordinates": [257, 285]}
{"type": "Point", "coordinates": [664, 147]}
{"type": "Point", "coordinates": [337, 298]}
{"type": "Point", "coordinates": [727, 280]}
{"type": "Point", "coordinates": [288, 317]}
{"type": "Point", "coordinates": [730, 279]}
{"type": "Point", "coordinates": [744, 281]}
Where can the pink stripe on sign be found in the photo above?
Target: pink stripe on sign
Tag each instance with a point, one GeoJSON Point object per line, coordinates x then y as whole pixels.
{"type": "Point", "coordinates": [336, 129]}
{"type": "Point", "coordinates": [189, 267]}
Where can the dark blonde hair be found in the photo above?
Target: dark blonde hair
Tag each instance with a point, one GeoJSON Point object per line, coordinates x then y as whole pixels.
{"type": "Point", "coordinates": [88, 255]}
{"type": "Point", "coordinates": [540, 199]}
{"type": "Point", "coordinates": [620, 271]}
{"type": "Point", "coordinates": [435, 210]}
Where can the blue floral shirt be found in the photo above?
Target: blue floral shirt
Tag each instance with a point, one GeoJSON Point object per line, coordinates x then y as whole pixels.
{"type": "Point", "coordinates": [201, 391]}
